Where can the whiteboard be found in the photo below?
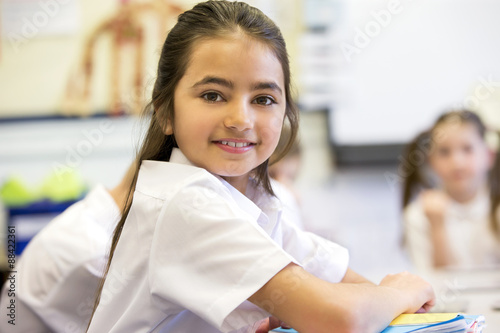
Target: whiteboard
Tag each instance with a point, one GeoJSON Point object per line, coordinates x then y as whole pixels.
{"type": "Point", "coordinates": [431, 55]}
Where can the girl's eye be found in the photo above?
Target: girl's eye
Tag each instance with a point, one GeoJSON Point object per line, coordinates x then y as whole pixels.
{"type": "Point", "coordinates": [212, 97]}
{"type": "Point", "coordinates": [443, 152]}
{"type": "Point", "coordinates": [468, 149]}
{"type": "Point", "coordinates": [264, 100]}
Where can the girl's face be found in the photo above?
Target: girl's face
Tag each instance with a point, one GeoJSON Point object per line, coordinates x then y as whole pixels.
{"type": "Point", "coordinates": [460, 158]}
{"type": "Point", "coordinates": [229, 107]}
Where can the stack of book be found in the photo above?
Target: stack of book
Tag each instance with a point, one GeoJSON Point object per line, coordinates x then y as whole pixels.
{"type": "Point", "coordinates": [429, 322]}
{"type": "Point", "coordinates": [436, 322]}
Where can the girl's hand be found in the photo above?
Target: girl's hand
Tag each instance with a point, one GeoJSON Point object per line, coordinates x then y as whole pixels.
{"type": "Point", "coordinates": [415, 291]}
{"type": "Point", "coordinates": [268, 324]}
{"type": "Point", "coordinates": [435, 204]}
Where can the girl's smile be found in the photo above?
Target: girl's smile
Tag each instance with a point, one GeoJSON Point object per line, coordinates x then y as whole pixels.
{"type": "Point", "coordinates": [229, 107]}
{"type": "Point", "coordinates": [235, 146]}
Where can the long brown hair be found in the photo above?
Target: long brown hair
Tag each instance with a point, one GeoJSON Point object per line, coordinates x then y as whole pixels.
{"type": "Point", "coordinates": [494, 181]}
{"type": "Point", "coordinates": [415, 156]}
{"type": "Point", "coordinates": [205, 21]}
{"type": "Point", "coordinates": [417, 179]}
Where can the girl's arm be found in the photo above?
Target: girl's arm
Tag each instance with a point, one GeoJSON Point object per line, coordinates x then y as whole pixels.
{"type": "Point", "coordinates": [435, 203]}
{"type": "Point", "coordinates": [442, 256]}
{"type": "Point", "coordinates": [353, 277]}
{"type": "Point", "coordinates": [312, 305]}
{"type": "Point", "coordinates": [273, 322]}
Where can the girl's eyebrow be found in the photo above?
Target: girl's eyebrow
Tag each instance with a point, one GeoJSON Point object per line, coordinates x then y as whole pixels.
{"type": "Point", "coordinates": [214, 79]}
{"type": "Point", "coordinates": [229, 84]}
{"type": "Point", "coordinates": [267, 85]}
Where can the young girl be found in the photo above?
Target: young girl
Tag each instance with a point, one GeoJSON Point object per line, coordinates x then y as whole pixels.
{"type": "Point", "coordinates": [454, 175]}
{"type": "Point", "coordinates": [201, 247]}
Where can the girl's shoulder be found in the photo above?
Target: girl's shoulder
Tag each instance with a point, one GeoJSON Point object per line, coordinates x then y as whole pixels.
{"type": "Point", "coordinates": [163, 179]}
{"type": "Point", "coordinates": [413, 211]}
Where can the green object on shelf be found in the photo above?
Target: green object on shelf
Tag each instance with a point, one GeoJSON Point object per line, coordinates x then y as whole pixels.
{"type": "Point", "coordinates": [59, 187]}
{"type": "Point", "coordinates": [15, 193]}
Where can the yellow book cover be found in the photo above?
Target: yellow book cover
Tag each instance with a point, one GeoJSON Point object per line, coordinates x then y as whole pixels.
{"type": "Point", "coordinates": [422, 318]}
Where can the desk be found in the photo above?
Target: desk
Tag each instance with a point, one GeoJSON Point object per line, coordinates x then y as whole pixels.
{"type": "Point", "coordinates": [472, 292]}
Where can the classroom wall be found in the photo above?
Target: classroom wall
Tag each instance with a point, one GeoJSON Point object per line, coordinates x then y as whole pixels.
{"type": "Point", "coordinates": [37, 58]}
{"type": "Point", "coordinates": [34, 65]}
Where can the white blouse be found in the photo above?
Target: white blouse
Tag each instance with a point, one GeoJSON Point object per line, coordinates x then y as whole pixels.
{"type": "Point", "coordinates": [194, 249]}
{"type": "Point", "coordinates": [472, 242]}
{"type": "Point", "coordinates": [59, 271]}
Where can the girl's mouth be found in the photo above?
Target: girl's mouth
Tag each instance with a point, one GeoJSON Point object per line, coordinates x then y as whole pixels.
{"type": "Point", "coordinates": [235, 146]}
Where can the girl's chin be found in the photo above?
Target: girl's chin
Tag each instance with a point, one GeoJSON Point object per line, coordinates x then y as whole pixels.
{"type": "Point", "coordinates": [233, 175]}
{"type": "Point", "coordinates": [231, 170]}
{"type": "Point", "coordinates": [463, 190]}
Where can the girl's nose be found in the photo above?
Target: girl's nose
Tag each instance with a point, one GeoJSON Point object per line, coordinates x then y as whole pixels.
{"type": "Point", "coordinates": [458, 159]}
{"type": "Point", "coordinates": [239, 117]}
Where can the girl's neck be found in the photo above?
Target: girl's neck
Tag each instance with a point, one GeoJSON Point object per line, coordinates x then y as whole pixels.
{"type": "Point", "coordinates": [240, 183]}
{"type": "Point", "coordinates": [464, 197]}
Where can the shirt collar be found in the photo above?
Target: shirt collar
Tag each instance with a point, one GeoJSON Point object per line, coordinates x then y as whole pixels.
{"type": "Point", "coordinates": [178, 157]}
{"type": "Point", "coordinates": [261, 206]}
{"type": "Point", "coordinates": [478, 206]}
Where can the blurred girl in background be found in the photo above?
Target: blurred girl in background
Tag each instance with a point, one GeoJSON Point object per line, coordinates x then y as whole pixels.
{"type": "Point", "coordinates": [451, 194]}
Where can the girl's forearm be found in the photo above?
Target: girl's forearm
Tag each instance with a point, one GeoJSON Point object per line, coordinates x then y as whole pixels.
{"type": "Point", "coordinates": [441, 254]}
{"type": "Point", "coordinates": [371, 307]}
{"type": "Point", "coordinates": [312, 305]}
{"type": "Point", "coordinates": [356, 308]}
{"type": "Point", "coordinates": [353, 277]}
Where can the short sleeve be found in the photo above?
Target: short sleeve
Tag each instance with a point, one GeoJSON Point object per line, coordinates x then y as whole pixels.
{"type": "Point", "coordinates": [209, 256]}
{"type": "Point", "coordinates": [320, 257]}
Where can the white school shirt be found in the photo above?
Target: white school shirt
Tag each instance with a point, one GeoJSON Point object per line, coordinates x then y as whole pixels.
{"type": "Point", "coordinates": [472, 242]}
{"type": "Point", "coordinates": [290, 206]}
{"type": "Point", "coordinates": [58, 272]}
{"type": "Point", "coordinates": [193, 249]}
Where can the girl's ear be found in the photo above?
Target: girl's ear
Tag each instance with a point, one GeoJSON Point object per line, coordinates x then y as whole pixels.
{"type": "Point", "coordinates": [168, 128]}
{"type": "Point", "coordinates": [493, 143]}
{"type": "Point", "coordinates": [164, 122]}
{"type": "Point", "coordinates": [492, 155]}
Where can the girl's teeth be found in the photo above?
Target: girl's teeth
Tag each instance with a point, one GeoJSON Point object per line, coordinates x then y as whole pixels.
{"type": "Point", "coordinates": [235, 144]}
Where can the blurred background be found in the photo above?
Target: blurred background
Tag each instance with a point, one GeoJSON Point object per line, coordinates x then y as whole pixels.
{"type": "Point", "coordinates": [368, 74]}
